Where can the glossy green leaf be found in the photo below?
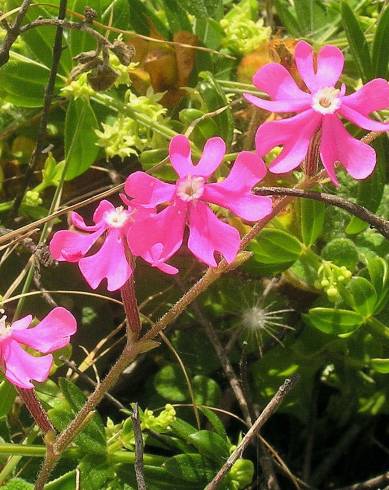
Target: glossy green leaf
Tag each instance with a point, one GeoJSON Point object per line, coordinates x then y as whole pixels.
{"type": "Point", "coordinates": [182, 428]}
{"type": "Point", "coordinates": [357, 42]}
{"type": "Point", "coordinates": [334, 321]}
{"type": "Point", "coordinates": [22, 82]}
{"type": "Point", "coordinates": [380, 54]}
{"type": "Point", "coordinates": [80, 138]}
{"type": "Point", "coordinates": [312, 220]}
{"type": "Point", "coordinates": [362, 296]}
{"type": "Point", "coordinates": [189, 467]}
{"type": "Point", "coordinates": [170, 383]}
{"type": "Point", "coordinates": [378, 271]}
{"type": "Point", "coordinates": [211, 445]}
{"type": "Point", "coordinates": [66, 481]}
{"type": "Point", "coordinates": [380, 365]}
{"type": "Point", "coordinates": [276, 248]}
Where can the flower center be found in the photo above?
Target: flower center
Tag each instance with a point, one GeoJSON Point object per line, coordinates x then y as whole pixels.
{"type": "Point", "coordinates": [5, 329]}
{"type": "Point", "coordinates": [190, 188]}
{"type": "Point", "coordinates": [326, 100]}
{"type": "Point", "coordinates": [117, 218]}
{"type": "Point", "coordinates": [254, 318]}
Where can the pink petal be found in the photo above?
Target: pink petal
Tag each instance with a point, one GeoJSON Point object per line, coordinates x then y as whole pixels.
{"type": "Point", "coordinates": [51, 334]}
{"type": "Point", "coordinates": [155, 256]}
{"type": "Point", "coordinates": [373, 96]}
{"type": "Point", "coordinates": [103, 207]}
{"type": "Point", "coordinates": [293, 134]}
{"type": "Point", "coordinates": [276, 81]}
{"type": "Point", "coordinates": [109, 263]}
{"type": "Point", "coordinates": [303, 55]}
{"type": "Point", "coordinates": [165, 228]}
{"type": "Point", "coordinates": [22, 323]}
{"type": "Point", "coordinates": [296, 105]}
{"type": "Point", "coordinates": [148, 190]}
{"type": "Point", "coordinates": [330, 61]}
{"type": "Point", "coordinates": [212, 156]}
{"type": "Point", "coordinates": [21, 367]}
{"type": "Point", "coordinates": [207, 235]}
{"type": "Point", "coordinates": [78, 221]}
{"type": "Point", "coordinates": [338, 145]}
{"type": "Point", "coordinates": [234, 192]}
{"type": "Point", "coordinates": [70, 246]}
{"type": "Point", "coordinates": [180, 155]}
{"type": "Point", "coordinates": [361, 120]}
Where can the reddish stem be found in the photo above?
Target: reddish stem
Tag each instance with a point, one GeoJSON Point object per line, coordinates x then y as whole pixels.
{"type": "Point", "coordinates": [36, 410]}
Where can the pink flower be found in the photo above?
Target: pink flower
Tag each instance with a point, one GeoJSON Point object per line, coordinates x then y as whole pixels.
{"type": "Point", "coordinates": [110, 261]}
{"type": "Point", "coordinates": [187, 204]}
{"type": "Point", "coordinates": [319, 109]}
{"type": "Point", "coordinates": [51, 334]}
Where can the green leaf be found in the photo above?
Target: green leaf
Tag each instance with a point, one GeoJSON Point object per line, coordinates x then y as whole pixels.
{"type": "Point", "coordinates": [170, 384]}
{"type": "Point", "coordinates": [287, 18]}
{"type": "Point", "coordinates": [206, 391]}
{"type": "Point", "coordinates": [380, 365]}
{"type": "Point", "coordinates": [362, 297]}
{"type": "Point", "coordinates": [215, 98]}
{"type": "Point", "coordinates": [95, 472]}
{"type": "Point", "coordinates": [80, 138]}
{"type": "Point", "coordinates": [176, 16]}
{"type": "Point", "coordinates": [215, 421]}
{"type": "Point", "coordinates": [82, 41]}
{"type": "Point", "coordinates": [141, 17]}
{"type": "Point", "coordinates": [182, 428]}
{"type": "Point", "coordinates": [66, 481]}
{"type": "Point", "coordinates": [312, 220]}
{"type": "Point", "coordinates": [76, 399]}
{"type": "Point", "coordinates": [189, 467]}
{"type": "Point", "coordinates": [370, 190]}
{"type": "Point", "coordinates": [204, 9]}
{"type": "Point", "coordinates": [380, 53]}
{"type": "Point", "coordinates": [39, 41]}
{"type": "Point", "coordinates": [276, 249]}
{"type": "Point", "coordinates": [333, 321]}
{"type": "Point", "coordinates": [88, 440]}
{"type": "Point", "coordinates": [342, 252]}
{"type": "Point", "coordinates": [357, 42]}
{"type": "Point", "coordinates": [18, 484]}
{"type": "Point", "coordinates": [22, 82]}
{"type": "Point", "coordinates": [378, 272]}
{"type": "Point", "coordinates": [211, 445]}
{"type": "Point", "coordinates": [7, 397]}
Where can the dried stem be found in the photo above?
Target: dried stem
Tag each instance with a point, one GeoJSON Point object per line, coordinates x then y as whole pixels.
{"type": "Point", "coordinates": [13, 33]}
{"type": "Point", "coordinates": [380, 224]}
{"type": "Point", "coordinates": [375, 482]}
{"type": "Point", "coordinates": [267, 412]}
{"type": "Point", "coordinates": [139, 469]}
{"type": "Point", "coordinates": [48, 97]}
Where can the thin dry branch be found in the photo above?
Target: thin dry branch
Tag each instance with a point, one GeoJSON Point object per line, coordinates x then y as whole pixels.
{"type": "Point", "coordinates": [13, 33]}
{"type": "Point", "coordinates": [267, 412]}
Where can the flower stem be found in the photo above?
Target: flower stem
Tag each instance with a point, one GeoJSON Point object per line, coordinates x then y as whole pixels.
{"type": "Point", "coordinates": [130, 303]}
{"type": "Point", "coordinates": [36, 410]}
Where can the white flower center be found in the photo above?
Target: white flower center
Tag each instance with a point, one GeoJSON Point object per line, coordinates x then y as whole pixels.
{"type": "Point", "coordinates": [117, 218]}
{"type": "Point", "coordinates": [254, 318]}
{"type": "Point", "coordinates": [190, 188]}
{"type": "Point", "coordinates": [326, 100]}
{"type": "Point", "coordinates": [5, 329]}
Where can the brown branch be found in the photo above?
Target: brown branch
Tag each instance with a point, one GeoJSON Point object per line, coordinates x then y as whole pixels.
{"type": "Point", "coordinates": [267, 412]}
{"type": "Point", "coordinates": [375, 482]}
{"type": "Point", "coordinates": [380, 224]}
{"type": "Point", "coordinates": [13, 33]}
{"type": "Point", "coordinates": [48, 97]}
{"type": "Point", "coordinates": [139, 469]}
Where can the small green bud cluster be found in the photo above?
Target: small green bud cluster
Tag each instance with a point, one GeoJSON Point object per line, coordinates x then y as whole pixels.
{"type": "Point", "coordinates": [124, 136]}
{"type": "Point", "coordinates": [330, 277]}
{"type": "Point", "coordinates": [32, 198]}
{"type": "Point", "coordinates": [242, 34]}
{"type": "Point", "coordinates": [79, 88]}
{"type": "Point", "coordinates": [161, 422]}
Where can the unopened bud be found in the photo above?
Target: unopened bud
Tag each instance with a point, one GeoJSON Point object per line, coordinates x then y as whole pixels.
{"type": "Point", "coordinates": [124, 52]}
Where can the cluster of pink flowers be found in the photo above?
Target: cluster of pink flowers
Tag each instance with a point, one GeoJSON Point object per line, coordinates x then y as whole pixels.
{"type": "Point", "coordinates": [152, 221]}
